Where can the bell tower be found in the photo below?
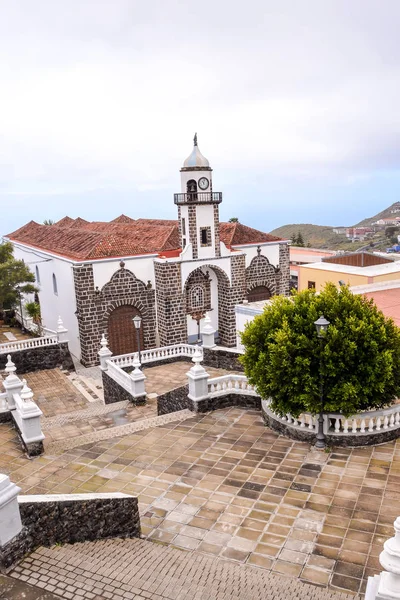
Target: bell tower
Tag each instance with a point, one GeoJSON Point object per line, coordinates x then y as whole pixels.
{"type": "Point", "coordinates": [198, 211]}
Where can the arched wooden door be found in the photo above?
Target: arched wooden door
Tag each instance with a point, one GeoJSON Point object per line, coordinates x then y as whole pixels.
{"type": "Point", "coordinates": [261, 292]}
{"type": "Point", "coordinates": [122, 336]}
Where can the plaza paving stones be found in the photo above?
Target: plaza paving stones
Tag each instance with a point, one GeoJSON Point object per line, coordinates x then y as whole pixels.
{"type": "Point", "coordinates": [223, 485]}
{"type": "Point", "coordinates": [139, 570]}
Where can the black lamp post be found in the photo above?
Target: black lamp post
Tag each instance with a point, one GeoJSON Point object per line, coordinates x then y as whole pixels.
{"type": "Point", "coordinates": [137, 321]}
{"type": "Point", "coordinates": [321, 325]}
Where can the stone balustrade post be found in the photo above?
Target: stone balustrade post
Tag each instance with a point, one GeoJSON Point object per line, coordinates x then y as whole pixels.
{"type": "Point", "coordinates": [10, 518]}
{"type": "Point", "coordinates": [198, 378]}
{"type": "Point", "coordinates": [137, 380]}
{"type": "Point", "coordinates": [104, 353]}
{"type": "Point", "coordinates": [61, 331]}
{"type": "Point", "coordinates": [12, 383]}
{"type": "Point", "coordinates": [27, 417]}
{"type": "Point", "coordinates": [386, 585]}
{"type": "Point", "coordinates": [208, 333]}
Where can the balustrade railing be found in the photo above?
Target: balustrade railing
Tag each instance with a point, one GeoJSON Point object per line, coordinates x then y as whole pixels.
{"type": "Point", "coordinates": [154, 354]}
{"type": "Point", "coordinates": [17, 345]}
{"type": "Point", "coordinates": [230, 383]}
{"type": "Point", "coordinates": [373, 421]}
{"type": "Point", "coordinates": [3, 402]}
{"type": "Point", "coordinates": [118, 375]}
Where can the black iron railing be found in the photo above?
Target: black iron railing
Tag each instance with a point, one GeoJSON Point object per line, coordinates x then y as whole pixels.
{"type": "Point", "coordinates": [198, 197]}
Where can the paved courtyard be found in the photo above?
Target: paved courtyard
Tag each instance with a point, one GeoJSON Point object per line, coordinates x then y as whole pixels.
{"type": "Point", "coordinates": [223, 485]}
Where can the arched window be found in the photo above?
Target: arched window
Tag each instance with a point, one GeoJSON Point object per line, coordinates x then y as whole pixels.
{"type": "Point", "coordinates": [197, 297]}
{"type": "Point", "coordinates": [37, 275]}
{"type": "Point", "coordinates": [55, 288]}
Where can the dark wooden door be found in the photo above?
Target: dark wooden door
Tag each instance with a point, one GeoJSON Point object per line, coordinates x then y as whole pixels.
{"type": "Point", "coordinates": [260, 292]}
{"type": "Point", "coordinates": [122, 336]}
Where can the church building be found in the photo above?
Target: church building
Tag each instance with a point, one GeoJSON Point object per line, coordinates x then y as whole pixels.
{"type": "Point", "coordinates": [99, 275]}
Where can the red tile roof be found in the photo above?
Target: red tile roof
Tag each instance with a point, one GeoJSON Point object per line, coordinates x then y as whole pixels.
{"type": "Point", "coordinates": [83, 240]}
{"type": "Point", "coordinates": [237, 234]}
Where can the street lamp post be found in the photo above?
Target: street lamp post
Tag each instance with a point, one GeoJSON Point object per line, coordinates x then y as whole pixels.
{"type": "Point", "coordinates": [137, 321]}
{"type": "Point", "coordinates": [20, 308]}
{"type": "Point", "coordinates": [321, 325]}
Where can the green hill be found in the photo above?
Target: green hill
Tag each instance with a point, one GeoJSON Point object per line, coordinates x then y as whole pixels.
{"type": "Point", "coordinates": [322, 236]}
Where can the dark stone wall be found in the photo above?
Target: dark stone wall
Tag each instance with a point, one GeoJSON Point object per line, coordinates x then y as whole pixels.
{"type": "Point", "coordinates": [173, 401]}
{"type": "Point", "coordinates": [36, 359]}
{"type": "Point", "coordinates": [222, 359]}
{"type": "Point", "coordinates": [332, 439]}
{"type": "Point", "coordinates": [70, 521]}
{"type": "Point", "coordinates": [6, 417]}
{"type": "Point", "coordinates": [113, 392]}
{"type": "Point", "coordinates": [225, 401]}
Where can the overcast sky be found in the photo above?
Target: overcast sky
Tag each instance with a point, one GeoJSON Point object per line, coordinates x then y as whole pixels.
{"type": "Point", "coordinates": [295, 102]}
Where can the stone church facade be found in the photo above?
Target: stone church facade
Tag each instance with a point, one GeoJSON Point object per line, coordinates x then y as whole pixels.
{"type": "Point", "coordinates": [98, 276]}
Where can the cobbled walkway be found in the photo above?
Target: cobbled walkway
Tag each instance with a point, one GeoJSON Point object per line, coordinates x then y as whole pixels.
{"type": "Point", "coordinates": [141, 570]}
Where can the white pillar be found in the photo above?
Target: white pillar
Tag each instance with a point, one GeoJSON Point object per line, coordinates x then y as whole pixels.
{"type": "Point", "coordinates": [208, 333]}
{"type": "Point", "coordinates": [386, 586]}
{"type": "Point", "coordinates": [10, 518]}
{"type": "Point", "coordinates": [27, 416]}
{"type": "Point", "coordinates": [61, 331]}
{"type": "Point", "coordinates": [12, 383]}
{"type": "Point", "coordinates": [198, 378]}
{"type": "Point", "coordinates": [104, 353]}
{"type": "Point", "coordinates": [137, 380]}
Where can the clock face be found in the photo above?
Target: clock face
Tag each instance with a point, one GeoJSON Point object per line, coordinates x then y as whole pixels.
{"type": "Point", "coordinates": [203, 183]}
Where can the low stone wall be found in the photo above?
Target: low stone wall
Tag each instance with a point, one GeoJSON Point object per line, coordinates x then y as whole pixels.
{"type": "Point", "coordinates": [332, 439]}
{"type": "Point", "coordinates": [5, 416]}
{"type": "Point", "coordinates": [66, 519]}
{"type": "Point", "coordinates": [222, 359]}
{"type": "Point", "coordinates": [113, 392]}
{"type": "Point", "coordinates": [173, 401]}
{"type": "Point", "coordinates": [225, 401]}
{"type": "Point", "coordinates": [36, 359]}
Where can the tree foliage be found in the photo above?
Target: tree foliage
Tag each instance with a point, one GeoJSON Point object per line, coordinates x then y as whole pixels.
{"type": "Point", "coordinates": [233, 220]}
{"type": "Point", "coordinates": [298, 240]}
{"type": "Point", "coordinates": [360, 356]}
{"type": "Point", "coordinates": [15, 277]}
{"type": "Point", "coordinates": [48, 222]}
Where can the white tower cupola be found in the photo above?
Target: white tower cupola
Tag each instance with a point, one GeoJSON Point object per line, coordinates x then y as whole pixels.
{"type": "Point", "coordinates": [198, 206]}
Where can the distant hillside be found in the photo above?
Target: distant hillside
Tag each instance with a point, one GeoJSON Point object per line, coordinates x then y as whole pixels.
{"type": "Point", "coordinates": [385, 214]}
{"type": "Point", "coordinates": [317, 236]}
{"type": "Point", "coordinates": [322, 236]}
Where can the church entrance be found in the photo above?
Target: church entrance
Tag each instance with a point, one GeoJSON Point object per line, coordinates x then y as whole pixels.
{"type": "Point", "coordinates": [261, 292]}
{"type": "Point", "coordinates": [122, 336]}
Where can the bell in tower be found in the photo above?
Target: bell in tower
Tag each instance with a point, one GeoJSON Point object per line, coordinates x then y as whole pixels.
{"type": "Point", "coordinates": [198, 211]}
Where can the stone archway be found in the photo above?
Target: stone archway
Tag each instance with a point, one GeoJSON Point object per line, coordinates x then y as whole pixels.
{"type": "Point", "coordinates": [121, 332]}
{"type": "Point", "coordinates": [258, 292]}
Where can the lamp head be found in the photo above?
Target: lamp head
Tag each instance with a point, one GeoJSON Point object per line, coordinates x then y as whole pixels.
{"type": "Point", "coordinates": [137, 321]}
{"type": "Point", "coordinates": [321, 325]}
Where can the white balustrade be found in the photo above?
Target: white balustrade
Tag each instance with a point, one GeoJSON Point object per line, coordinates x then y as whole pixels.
{"type": "Point", "coordinates": [27, 416]}
{"type": "Point", "coordinates": [118, 375]}
{"type": "Point", "coordinates": [155, 354]}
{"type": "Point", "coordinates": [228, 384]}
{"type": "Point", "coordinates": [3, 402]}
{"type": "Point", "coordinates": [28, 344]}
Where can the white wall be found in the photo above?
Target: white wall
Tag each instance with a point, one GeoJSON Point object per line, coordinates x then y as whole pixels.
{"type": "Point", "coordinates": [244, 314]}
{"type": "Point", "coordinates": [142, 267]}
{"type": "Point", "coordinates": [54, 305]}
{"type": "Point", "coordinates": [270, 250]}
{"type": "Point", "coordinates": [205, 218]}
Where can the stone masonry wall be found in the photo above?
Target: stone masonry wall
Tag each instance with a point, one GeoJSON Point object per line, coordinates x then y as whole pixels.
{"type": "Point", "coordinates": [95, 306]}
{"type": "Point", "coordinates": [222, 359]}
{"type": "Point", "coordinates": [173, 401]}
{"type": "Point", "coordinates": [36, 359]}
{"type": "Point", "coordinates": [284, 270]}
{"type": "Point", "coordinates": [197, 278]}
{"type": "Point", "coordinates": [67, 521]}
{"type": "Point", "coordinates": [228, 297]}
{"type": "Point", "coordinates": [113, 392]}
{"type": "Point", "coordinates": [171, 315]}
{"type": "Point", "coordinates": [192, 226]}
{"type": "Point", "coordinates": [225, 401]}
{"type": "Point", "coordinates": [262, 273]}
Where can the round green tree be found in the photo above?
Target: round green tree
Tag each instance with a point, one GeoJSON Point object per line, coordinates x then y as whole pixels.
{"type": "Point", "coordinates": [359, 357]}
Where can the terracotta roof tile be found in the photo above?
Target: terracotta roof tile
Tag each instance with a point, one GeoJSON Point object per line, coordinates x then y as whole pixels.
{"type": "Point", "coordinates": [82, 240]}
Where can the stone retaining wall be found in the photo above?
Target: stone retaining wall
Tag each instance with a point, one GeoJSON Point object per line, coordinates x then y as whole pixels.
{"type": "Point", "coordinates": [66, 519]}
{"type": "Point", "coordinates": [173, 401]}
{"type": "Point", "coordinates": [36, 359]}
{"type": "Point", "coordinates": [113, 392]}
{"type": "Point", "coordinates": [222, 359]}
{"type": "Point", "coordinates": [225, 401]}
